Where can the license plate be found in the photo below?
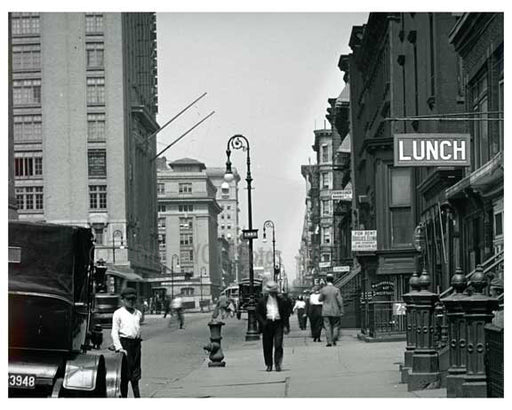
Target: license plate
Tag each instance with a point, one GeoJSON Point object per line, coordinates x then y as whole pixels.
{"type": "Point", "coordinates": [22, 381]}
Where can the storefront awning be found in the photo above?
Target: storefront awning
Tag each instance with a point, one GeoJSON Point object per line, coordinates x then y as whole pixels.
{"type": "Point", "coordinates": [132, 277]}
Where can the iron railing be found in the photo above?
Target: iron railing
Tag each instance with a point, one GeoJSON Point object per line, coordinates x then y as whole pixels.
{"type": "Point", "coordinates": [379, 319]}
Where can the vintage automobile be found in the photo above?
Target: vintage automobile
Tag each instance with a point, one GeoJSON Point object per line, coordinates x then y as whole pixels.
{"type": "Point", "coordinates": [244, 292]}
{"type": "Point", "coordinates": [50, 327]}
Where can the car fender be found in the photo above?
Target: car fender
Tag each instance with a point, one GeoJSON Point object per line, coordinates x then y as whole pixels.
{"type": "Point", "coordinates": [116, 375]}
{"type": "Point", "coordinates": [82, 372]}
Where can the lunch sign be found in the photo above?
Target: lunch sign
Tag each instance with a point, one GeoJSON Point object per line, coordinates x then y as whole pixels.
{"type": "Point", "coordinates": [415, 150]}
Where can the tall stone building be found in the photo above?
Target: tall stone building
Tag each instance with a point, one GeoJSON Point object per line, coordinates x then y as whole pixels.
{"type": "Point", "coordinates": [187, 218]}
{"type": "Point", "coordinates": [84, 89]}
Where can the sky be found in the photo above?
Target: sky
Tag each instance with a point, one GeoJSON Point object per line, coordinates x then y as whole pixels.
{"type": "Point", "coordinates": [268, 77]}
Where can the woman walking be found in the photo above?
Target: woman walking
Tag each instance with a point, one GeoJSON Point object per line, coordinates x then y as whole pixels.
{"type": "Point", "coordinates": [315, 314]}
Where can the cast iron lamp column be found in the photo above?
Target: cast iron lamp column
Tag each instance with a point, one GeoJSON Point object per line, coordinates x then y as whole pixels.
{"type": "Point", "coordinates": [172, 272]}
{"type": "Point", "coordinates": [269, 224]}
{"type": "Point", "coordinates": [240, 142]}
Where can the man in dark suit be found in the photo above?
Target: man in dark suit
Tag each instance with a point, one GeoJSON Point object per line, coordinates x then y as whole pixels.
{"type": "Point", "coordinates": [273, 313]}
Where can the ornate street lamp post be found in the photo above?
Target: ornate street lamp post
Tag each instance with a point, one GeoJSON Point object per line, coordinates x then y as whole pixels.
{"type": "Point", "coordinates": [117, 232]}
{"type": "Point", "coordinates": [269, 224]}
{"type": "Point", "coordinates": [172, 272]}
{"type": "Point", "coordinates": [240, 142]}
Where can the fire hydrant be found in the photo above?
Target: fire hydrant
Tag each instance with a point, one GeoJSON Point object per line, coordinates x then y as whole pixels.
{"type": "Point", "coordinates": [214, 347]}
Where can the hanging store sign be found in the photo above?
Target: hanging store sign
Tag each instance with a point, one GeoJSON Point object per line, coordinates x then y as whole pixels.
{"type": "Point", "coordinates": [341, 268]}
{"type": "Point", "coordinates": [364, 241]}
{"type": "Point", "coordinates": [324, 264]}
{"type": "Point", "coordinates": [342, 195]}
{"type": "Point", "coordinates": [416, 150]}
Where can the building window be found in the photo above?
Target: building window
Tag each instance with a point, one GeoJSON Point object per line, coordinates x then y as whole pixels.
{"type": "Point", "coordinates": [29, 198]}
{"type": "Point", "coordinates": [28, 165]}
{"type": "Point", "coordinates": [96, 126]}
{"type": "Point", "coordinates": [161, 239]}
{"type": "Point", "coordinates": [400, 207]}
{"type": "Point", "coordinates": [26, 92]}
{"type": "Point", "coordinates": [185, 188]}
{"type": "Point", "coordinates": [186, 255]}
{"type": "Point", "coordinates": [326, 180]}
{"type": "Point", "coordinates": [161, 222]}
{"type": "Point", "coordinates": [228, 216]}
{"type": "Point", "coordinates": [162, 208]}
{"type": "Point", "coordinates": [480, 128]}
{"type": "Point", "coordinates": [97, 162]}
{"type": "Point", "coordinates": [186, 208]}
{"type": "Point", "coordinates": [326, 257]}
{"type": "Point", "coordinates": [325, 153]}
{"type": "Point", "coordinates": [26, 57]}
{"type": "Point", "coordinates": [98, 197]}
{"type": "Point", "coordinates": [95, 90]}
{"type": "Point", "coordinates": [326, 207]}
{"type": "Point", "coordinates": [186, 239]}
{"type": "Point", "coordinates": [94, 55]}
{"type": "Point", "coordinates": [229, 227]}
{"type": "Point", "coordinates": [98, 235]}
{"type": "Point", "coordinates": [326, 235]}
{"type": "Point", "coordinates": [229, 207]}
{"type": "Point", "coordinates": [27, 128]}
{"type": "Point", "coordinates": [25, 23]}
{"type": "Point", "coordinates": [160, 188]}
{"type": "Point", "coordinates": [222, 216]}
{"type": "Point", "coordinates": [185, 224]}
{"type": "Point", "coordinates": [187, 291]}
{"type": "Point", "coordinates": [222, 227]}
{"type": "Point", "coordinates": [93, 23]}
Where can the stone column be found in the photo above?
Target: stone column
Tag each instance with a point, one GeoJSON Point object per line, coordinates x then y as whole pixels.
{"type": "Point", "coordinates": [408, 298]}
{"type": "Point", "coordinates": [478, 310]}
{"type": "Point", "coordinates": [456, 335]}
{"type": "Point", "coordinates": [425, 361]}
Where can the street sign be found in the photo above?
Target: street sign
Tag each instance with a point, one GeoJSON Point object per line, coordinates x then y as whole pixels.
{"type": "Point", "coordinates": [342, 195]}
{"type": "Point", "coordinates": [431, 150]}
{"type": "Point", "coordinates": [250, 234]}
{"type": "Point", "coordinates": [364, 241]}
{"type": "Point", "coordinates": [341, 268]}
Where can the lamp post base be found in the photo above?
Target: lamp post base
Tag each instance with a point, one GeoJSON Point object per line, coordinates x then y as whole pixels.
{"type": "Point", "coordinates": [252, 326]}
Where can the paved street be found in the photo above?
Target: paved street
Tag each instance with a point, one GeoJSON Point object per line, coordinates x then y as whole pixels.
{"type": "Point", "coordinates": [175, 365]}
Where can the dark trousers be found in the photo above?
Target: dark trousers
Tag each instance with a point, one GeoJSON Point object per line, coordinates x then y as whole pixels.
{"type": "Point", "coordinates": [316, 320]}
{"type": "Point", "coordinates": [301, 317]}
{"type": "Point", "coordinates": [273, 340]}
{"type": "Point", "coordinates": [181, 317]}
{"type": "Point", "coordinates": [133, 353]}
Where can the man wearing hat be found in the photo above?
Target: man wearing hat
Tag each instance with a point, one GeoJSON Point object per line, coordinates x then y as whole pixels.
{"type": "Point", "coordinates": [273, 313]}
{"type": "Point", "coordinates": [126, 335]}
{"type": "Point", "coordinates": [332, 310]}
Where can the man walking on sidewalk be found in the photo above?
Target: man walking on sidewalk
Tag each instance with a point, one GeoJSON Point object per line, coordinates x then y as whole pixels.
{"type": "Point", "coordinates": [273, 313]}
{"type": "Point", "coordinates": [332, 310]}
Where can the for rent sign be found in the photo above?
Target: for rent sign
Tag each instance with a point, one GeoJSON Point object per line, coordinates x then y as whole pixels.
{"type": "Point", "coordinates": [414, 150]}
{"type": "Point", "coordinates": [364, 241]}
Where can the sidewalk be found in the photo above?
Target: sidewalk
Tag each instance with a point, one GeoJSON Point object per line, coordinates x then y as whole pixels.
{"type": "Point", "coordinates": [352, 369]}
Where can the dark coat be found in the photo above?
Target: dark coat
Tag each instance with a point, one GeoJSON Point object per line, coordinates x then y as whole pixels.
{"type": "Point", "coordinates": [283, 306]}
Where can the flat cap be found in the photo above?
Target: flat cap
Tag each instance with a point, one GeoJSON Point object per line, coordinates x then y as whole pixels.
{"type": "Point", "coordinates": [127, 292]}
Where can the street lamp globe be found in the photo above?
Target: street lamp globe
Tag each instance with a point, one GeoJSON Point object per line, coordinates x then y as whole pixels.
{"type": "Point", "coordinates": [228, 177]}
{"type": "Point", "coordinates": [225, 185]}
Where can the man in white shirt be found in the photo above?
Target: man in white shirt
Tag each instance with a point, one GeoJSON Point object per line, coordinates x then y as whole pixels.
{"type": "Point", "coordinates": [126, 336]}
{"type": "Point", "coordinates": [177, 308]}
{"type": "Point", "coordinates": [273, 312]}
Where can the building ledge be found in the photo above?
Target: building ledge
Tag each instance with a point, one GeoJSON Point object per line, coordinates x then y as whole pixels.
{"type": "Point", "coordinates": [482, 179]}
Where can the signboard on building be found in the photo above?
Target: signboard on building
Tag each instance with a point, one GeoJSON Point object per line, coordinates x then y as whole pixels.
{"type": "Point", "coordinates": [319, 281]}
{"type": "Point", "coordinates": [342, 195]}
{"type": "Point", "coordinates": [14, 255]}
{"type": "Point", "coordinates": [341, 268]}
{"type": "Point", "coordinates": [431, 150]}
{"type": "Point", "coordinates": [399, 309]}
{"type": "Point", "coordinates": [364, 241]}
{"type": "Point", "coordinates": [250, 234]}
{"type": "Point", "coordinates": [324, 264]}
